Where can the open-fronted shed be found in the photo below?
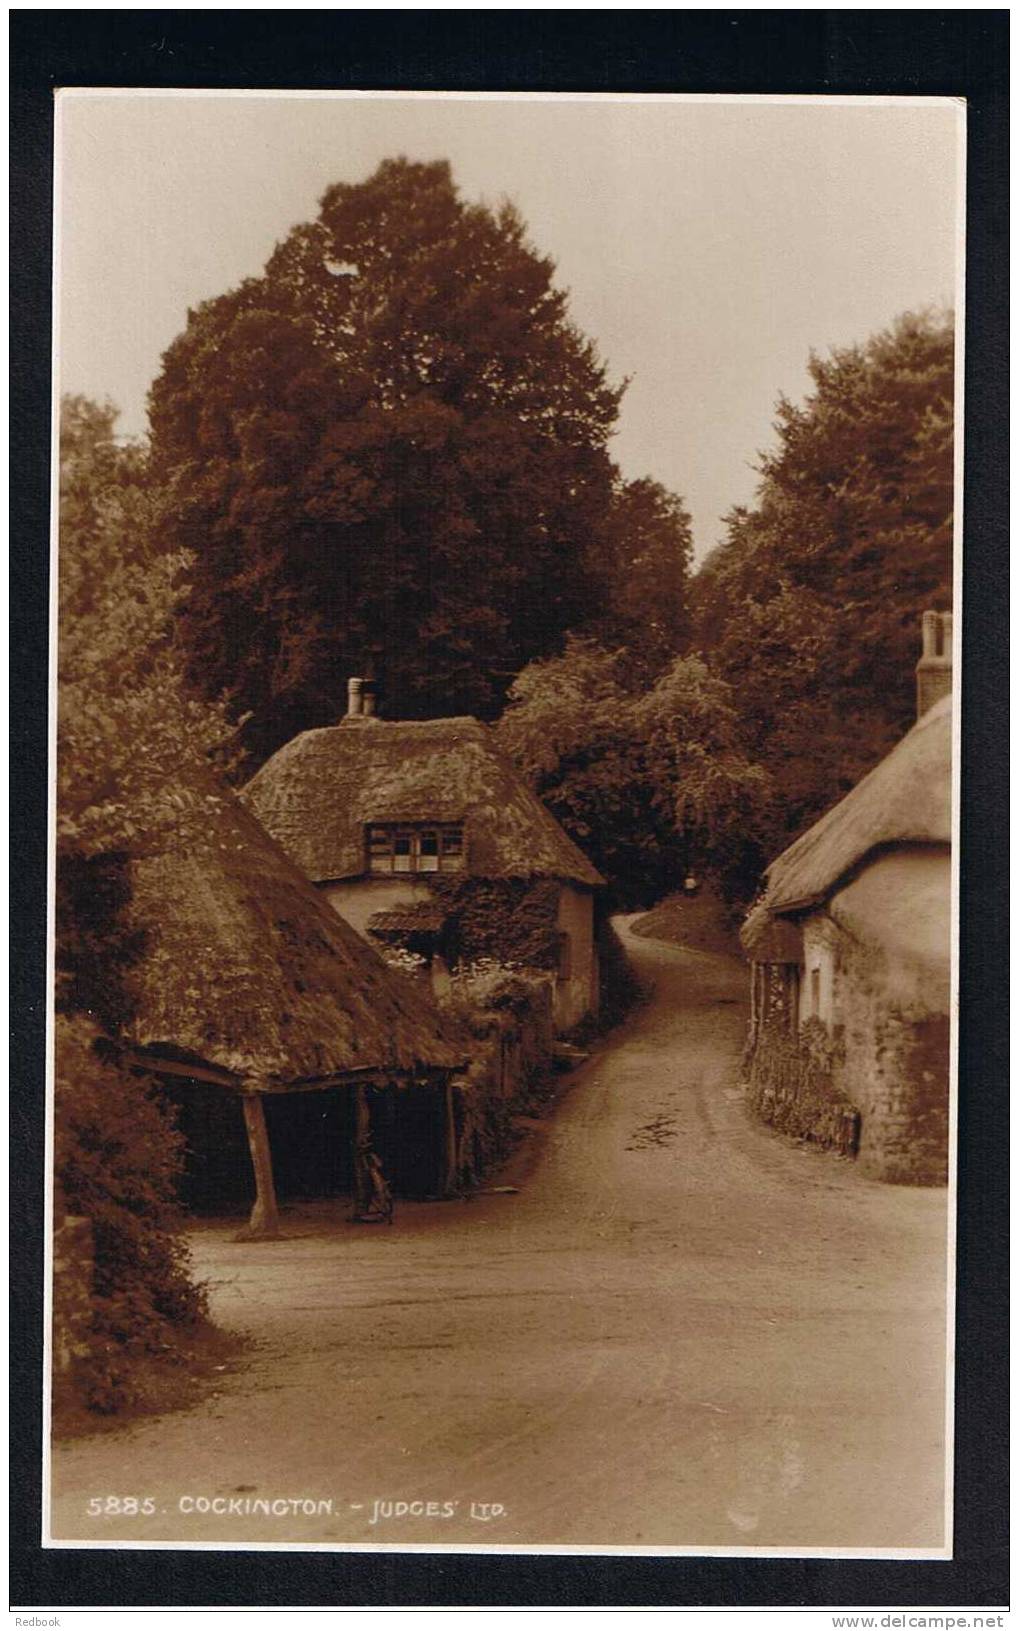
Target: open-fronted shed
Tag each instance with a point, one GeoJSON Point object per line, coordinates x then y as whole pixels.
{"type": "Point", "coordinates": [247, 980]}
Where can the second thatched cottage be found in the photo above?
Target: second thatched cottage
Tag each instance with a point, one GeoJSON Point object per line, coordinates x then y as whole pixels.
{"type": "Point", "coordinates": [850, 956]}
{"type": "Point", "coordinates": [422, 834]}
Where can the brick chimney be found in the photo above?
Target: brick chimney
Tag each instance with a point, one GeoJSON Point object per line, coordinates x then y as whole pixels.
{"type": "Point", "coordinates": [360, 698]}
{"type": "Point", "coordinates": [934, 670]}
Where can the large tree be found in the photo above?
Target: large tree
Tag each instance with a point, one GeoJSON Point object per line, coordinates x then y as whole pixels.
{"type": "Point", "coordinates": [811, 608]}
{"type": "Point", "coordinates": [643, 553]}
{"type": "Point", "coordinates": [389, 450]}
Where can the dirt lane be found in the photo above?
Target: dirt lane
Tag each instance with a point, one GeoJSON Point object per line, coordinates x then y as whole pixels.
{"type": "Point", "coordinates": [681, 1332]}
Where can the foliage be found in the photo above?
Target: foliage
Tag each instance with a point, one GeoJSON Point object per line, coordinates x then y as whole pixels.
{"type": "Point", "coordinates": [643, 555]}
{"type": "Point", "coordinates": [126, 720]}
{"type": "Point", "coordinates": [690, 730]}
{"type": "Point", "coordinates": [648, 783]}
{"type": "Point", "coordinates": [486, 987]}
{"type": "Point", "coordinates": [128, 727]}
{"type": "Point", "coordinates": [505, 922]}
{"type": "Point", "coordinates": [388, 451]}
{"type": "Point", "coordinates": [117, 1157]}
{"type": "Point", "coordinates": [402, 959]}
{"type": "Point", "coordinates": [792, 1086]}
{"type": "Point", "coordinates": [811, 608]}
{"type": "Point", "coordinates": [127, 730]}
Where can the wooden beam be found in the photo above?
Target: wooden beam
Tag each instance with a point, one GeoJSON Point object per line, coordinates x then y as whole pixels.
{"type": "Point", "coordinates": [264, 1223]}
{"type": "Point", "coordinates": [156, 1065]}
{"type": "Point", "coordinates": [362, 1144]}
{"type": "Point", "coordinates": [448, 1173]}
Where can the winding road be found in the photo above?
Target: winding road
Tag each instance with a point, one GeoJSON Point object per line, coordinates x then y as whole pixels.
{"type": "Point", "coordinates": [681, 1331]}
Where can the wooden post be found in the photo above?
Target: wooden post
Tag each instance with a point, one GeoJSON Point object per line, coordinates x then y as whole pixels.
{"type": "Point", "coordinates": [362, 1143]}
{"type": "Point", "coordinates": [448, 1173]}
{"type": "Point", "coordinates": [264, 1223]}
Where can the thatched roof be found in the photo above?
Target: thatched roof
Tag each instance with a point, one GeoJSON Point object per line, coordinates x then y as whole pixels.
{"type": "Point", "coordinates": [906, 799]}
{"type": "Point", "coordinates": [247, 968]}
{"type": "Point", "coordinates": [768, 939]}
{"type": "Point", "coordinates": [317, 795]}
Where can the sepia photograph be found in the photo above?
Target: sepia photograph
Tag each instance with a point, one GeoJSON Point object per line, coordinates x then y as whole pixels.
{"type": "Point", "coordinates": [505, 839]}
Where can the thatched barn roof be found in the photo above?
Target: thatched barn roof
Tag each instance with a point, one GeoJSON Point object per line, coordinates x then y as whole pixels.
{"type": "Point", "coordinates": [246, 967]}
{"type": "Point", "coordinates": [906, 799]}
{"type": "Point", "coordinates": [317, 795]}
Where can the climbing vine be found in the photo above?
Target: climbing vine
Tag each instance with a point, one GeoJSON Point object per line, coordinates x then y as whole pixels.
{"type": "Point", "coordinates": [511, 921]}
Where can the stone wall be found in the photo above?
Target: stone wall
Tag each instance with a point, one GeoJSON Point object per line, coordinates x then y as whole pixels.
{"type": "Point", "coordinates": [513, 1034]}
{"type": "Point", "coordinates": [905, 1129]}
{"type": "Point", "coordinates": [893, 1005]}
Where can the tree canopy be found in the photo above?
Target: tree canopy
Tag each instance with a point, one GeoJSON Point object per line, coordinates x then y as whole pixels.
{"type": "Point", "coordinates": [126, 717]}
{"type": "Point", "coordinates": [643, 554]}
{"type": "Point", "coordinates": [784, 670]}
{"type": "Point", "coordinates": [650, 782]}
{"type": "Point", "coordinates": [811, 608]}
{"type": "Point", "coordinates": [388, 452]}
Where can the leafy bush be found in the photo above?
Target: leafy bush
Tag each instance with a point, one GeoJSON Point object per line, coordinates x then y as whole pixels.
{"type": "Point", "coordinates": [402, 959]}
{"type": "Point", "coordinates": [117, 1159]}
{"type": "Point", "coordinates": [482, 991]}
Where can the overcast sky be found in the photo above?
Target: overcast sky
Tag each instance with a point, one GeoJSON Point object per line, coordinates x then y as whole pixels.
{"type": "Point", "coordinates": [707, 245]}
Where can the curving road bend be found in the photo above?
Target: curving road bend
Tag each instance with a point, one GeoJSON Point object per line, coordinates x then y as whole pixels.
{"type": "Point", "coordinates": [681, 1332]}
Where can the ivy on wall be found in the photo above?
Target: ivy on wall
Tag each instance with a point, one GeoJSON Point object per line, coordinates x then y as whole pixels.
{"type": "Point", "coordinates": [791, 1087]}
{"type": "Point", "coordinates": [509, 920]}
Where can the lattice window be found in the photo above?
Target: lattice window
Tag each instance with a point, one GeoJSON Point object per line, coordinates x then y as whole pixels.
{"type": "Point", "coordinates": [398, 847]}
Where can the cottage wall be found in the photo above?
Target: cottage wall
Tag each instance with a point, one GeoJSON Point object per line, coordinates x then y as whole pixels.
{"type": "Point", "coordinates": [892, 1005]}
{"type": "Point", "coordinates": [873, 1012]}
{"type": "Point", "coordinates": [577, 987]}
{"type": "Point", "coordinates": [358, 899]}
{"type": "Point", "coordinates": [820, 957]}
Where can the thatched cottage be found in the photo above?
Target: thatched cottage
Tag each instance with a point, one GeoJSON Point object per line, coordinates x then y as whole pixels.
{"type": "Point", "coordinates": [390, 820]}
{"type": "Point", "coordinates": [850, 956]}
{"type": "Point", "coordinates": [251, 996]}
